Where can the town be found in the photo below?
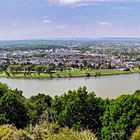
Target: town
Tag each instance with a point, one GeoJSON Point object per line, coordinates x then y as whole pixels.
{"type": "Point", "coordinates": [124, 57]}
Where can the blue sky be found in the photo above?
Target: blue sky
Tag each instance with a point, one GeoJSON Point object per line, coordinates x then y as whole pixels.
{"type": "Point", "coordinates": [45, 19]}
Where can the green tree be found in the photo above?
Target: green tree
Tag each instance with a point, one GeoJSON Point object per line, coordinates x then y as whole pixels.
{"type": "Point", "coordinates": [121, 117]}
{"type": "Point", "coordinates": [13, 107]}
{"type": "Point", "coordinates": [3, 119]}
{"type": "Point", "coordinates": [28, 69]}
{"type": "Point", "coordinates": [16, 68]}
{"type": "Point", "coordinates": [38, 104]}
{"type": "Point", "coordinates": [109, 66]}
{"type": "Point", "coordinates": [79, 110]}
{"type": "Point", "coordinates": [39, 68]}
{"type": "Point", "coordinates": [3, 89]}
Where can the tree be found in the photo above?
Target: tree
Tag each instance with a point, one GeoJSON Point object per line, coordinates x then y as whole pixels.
{"type": "Point", "coordinates": [7, 73]}
{"type": "Point", "coordinates": [13, 107]}
{"type": "Point", "coordinates": [49, 69]}
{"type": "Point", "coordinates": [137, 94]}
{"type": "Point", "coordinates": [87, 74]}
{"type": "Point", "coordinates": [3, 89]}
{"type": "Point", "coordinates": [109, 66]}
{"type": "Point", "coordinates": [79, 110]}
{"type": "Point", "coordinates": [39, 68]}
{"type": "Point", "coordinates": [3, 67]}
{"type": "Point", "coordinates": [15, 68]}
{"type": "Point", "coordinates": [28, 69]}
{"type": "Point", "coordinates": [3, 119]}
{"type": "Point", "coordinates": [121, 117]}
{"type": "Point", "coordinates": [39, 104]}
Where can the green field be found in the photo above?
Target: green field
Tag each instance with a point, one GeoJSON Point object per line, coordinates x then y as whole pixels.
{"type": "Point", "coordinates": [68, 73]}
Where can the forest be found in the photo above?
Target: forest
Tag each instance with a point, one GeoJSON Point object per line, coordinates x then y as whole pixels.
{"type": "Point", "coordinates": [76, 115]}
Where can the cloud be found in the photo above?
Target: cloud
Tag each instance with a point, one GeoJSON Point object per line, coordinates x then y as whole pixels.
{"type": "Point", "coordinates": [72, 2]}
{"type": "Point", "coordinates": [46, 21]}
{"type": "Point", "coordinates": [104, 23]}
{"type": "Point", "coordinates": [67, 2]}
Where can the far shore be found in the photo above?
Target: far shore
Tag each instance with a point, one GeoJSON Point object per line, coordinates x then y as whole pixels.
{"type": "Point", "coordinates": [67, 74]}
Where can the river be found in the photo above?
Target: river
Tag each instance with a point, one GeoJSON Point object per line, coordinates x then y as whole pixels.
{"type": "Point", "coordinates": [104, 86]}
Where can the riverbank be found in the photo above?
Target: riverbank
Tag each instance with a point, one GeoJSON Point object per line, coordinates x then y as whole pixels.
{"type": "Point", "coordinates": [68, 74]}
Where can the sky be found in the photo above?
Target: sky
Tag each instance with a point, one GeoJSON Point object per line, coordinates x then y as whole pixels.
{"type": "Point", "coordinates": [46, 19]}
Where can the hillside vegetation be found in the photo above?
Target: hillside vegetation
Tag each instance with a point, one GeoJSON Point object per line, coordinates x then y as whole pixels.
{"type": "Point", "coordinates": [47, 132]}
{"type": "Point", "coordinates": [76, 115]}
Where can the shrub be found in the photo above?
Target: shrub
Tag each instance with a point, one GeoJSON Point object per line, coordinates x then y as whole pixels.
{"type": "Point", "coordinates": [136, 134]}
{"type": "Point", "coordinates": [9, 132]}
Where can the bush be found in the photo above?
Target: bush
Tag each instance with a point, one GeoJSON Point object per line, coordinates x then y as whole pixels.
{"type": "Point", "coordinates": [9, 132]}
{"type": "Point", "coordinates": [136, 134]}
{"type": "Point", "coordinates": [69, 134]}
{"type": "Point", "coordinates": [49, 131]}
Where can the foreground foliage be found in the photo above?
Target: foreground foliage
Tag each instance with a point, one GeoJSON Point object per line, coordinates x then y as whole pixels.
{"type": "Point", "coordinates": [136, 134]}
{"type": "Point", "coordinates": [121, 117]}
{"type": "Point", "coordinates": [44, 132]}
{"type": "Point", "coordinates": [74, 112]}
{"type": "Point", "coordinates": [9, 132]}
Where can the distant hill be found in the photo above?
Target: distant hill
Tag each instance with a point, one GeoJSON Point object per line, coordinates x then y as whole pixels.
{"type": "Point", "coordinates": [71, 41]}
{"type": "Point", "coordinates": [121, 39]}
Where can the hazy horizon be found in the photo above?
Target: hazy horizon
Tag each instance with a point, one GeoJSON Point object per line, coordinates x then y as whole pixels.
{"type": "Point", "coordinates": [74, 38]}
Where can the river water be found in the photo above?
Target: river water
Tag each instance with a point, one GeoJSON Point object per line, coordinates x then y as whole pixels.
{"type": "Point", "coordinates": [104, 86]}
